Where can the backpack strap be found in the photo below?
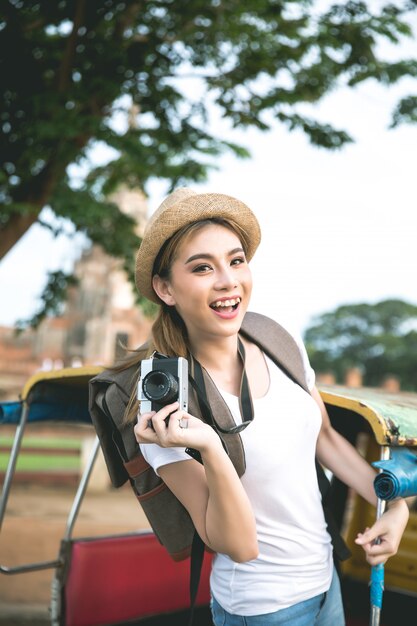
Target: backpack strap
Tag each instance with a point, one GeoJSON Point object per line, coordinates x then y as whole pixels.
{"type": "Point", "coordinates": [340, 548]}
{"type": "Point", "coordinates": [277, 343]}
{"type": "Point", "coordinates": [196, 565]}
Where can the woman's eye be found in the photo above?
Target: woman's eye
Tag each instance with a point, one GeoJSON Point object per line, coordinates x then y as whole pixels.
{"type": "Point", "coordinates": [238, 260]}
{"type": "Point", "coordinates": [202, 268]}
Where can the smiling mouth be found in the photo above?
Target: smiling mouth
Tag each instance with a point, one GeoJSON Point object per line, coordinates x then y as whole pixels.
{"type": "Point", "coordinates": [226, 305]}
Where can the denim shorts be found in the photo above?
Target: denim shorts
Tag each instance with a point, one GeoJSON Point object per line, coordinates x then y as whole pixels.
{"type": "Point", "coordinates": [326, 609]}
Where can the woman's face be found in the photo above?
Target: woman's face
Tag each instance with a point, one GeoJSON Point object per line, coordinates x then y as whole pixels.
{"type": "Point", "coordinates": [210, 283]}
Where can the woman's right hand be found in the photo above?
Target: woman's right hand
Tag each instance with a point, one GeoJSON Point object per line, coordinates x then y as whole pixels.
{"type": "Point", "coordinates": [173, 427]}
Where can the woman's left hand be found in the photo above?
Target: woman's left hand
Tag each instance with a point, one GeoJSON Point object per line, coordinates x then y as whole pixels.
{"type": "Point", "coordinates": [388, 530]}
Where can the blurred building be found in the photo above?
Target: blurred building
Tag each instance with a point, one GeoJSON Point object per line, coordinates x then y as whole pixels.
{"type": "Point", "coordinates": [353, 377]}
{"type": "Point", "coordinates": [99, 321]}
{"type": "Point", "coordinates": [17, 361]}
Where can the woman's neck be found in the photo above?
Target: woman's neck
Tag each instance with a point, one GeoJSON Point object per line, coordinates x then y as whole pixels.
{"type": "Point", "coordinates": [211, 352]}
{"type": "Point", "coordinates": [222, 362]}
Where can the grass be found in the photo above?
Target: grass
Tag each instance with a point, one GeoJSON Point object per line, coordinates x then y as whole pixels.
{"type": "Point", "coordinates": [39, 463]}
{"type": "Point", "coordinates": [49, 442]}
{"type": "Point", "coordinates": [36, 461]}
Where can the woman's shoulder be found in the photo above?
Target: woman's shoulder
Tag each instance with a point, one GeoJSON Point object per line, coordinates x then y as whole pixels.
{"type": "Point", "coordinates": [262, 326]}
{"type": "Point", "coordinates": [278, 337]}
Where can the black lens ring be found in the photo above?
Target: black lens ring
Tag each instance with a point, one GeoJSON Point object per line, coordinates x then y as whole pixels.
{"type": "Point", "coordinates": [168, 383]}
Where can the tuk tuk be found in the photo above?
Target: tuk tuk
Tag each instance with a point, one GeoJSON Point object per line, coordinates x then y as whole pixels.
{"type": "Point", "coordinates": [102, 579]}
{"type": "Point", "coordinates": [378, 424]}
{"type": "Point", "coordinates": [129, 577]}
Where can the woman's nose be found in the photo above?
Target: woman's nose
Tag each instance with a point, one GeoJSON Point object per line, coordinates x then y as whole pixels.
{"type": "Point", "coordinates": [225, 279]}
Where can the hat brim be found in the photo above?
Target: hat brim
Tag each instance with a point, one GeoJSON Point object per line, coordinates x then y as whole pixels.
{"type": "Point", "coordinates": [194, 208]}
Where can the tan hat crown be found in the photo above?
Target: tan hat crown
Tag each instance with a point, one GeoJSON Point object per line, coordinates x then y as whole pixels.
{"type": "Point", "coordinates": [182, 207]}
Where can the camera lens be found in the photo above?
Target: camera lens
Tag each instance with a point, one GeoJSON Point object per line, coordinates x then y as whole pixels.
{"type": "Point", "coordinates": [160, 386]}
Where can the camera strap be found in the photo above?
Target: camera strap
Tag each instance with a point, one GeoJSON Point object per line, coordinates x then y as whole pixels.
{"type": "Point", "coordinates": [245, 399]}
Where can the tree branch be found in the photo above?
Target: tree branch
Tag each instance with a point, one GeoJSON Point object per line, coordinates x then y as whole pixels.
{"type": "Point", "coordinates": [127, 19]}
{"type": "Point", "coordinates": [36, 194]}
{"type": "Point", "coordinates": [64, 73]}
{"type": "Point", "coordinates": [15, 228]}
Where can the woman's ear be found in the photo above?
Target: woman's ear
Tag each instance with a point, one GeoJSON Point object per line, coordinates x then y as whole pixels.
{"type": "Point", "coordinates": [162, 289]}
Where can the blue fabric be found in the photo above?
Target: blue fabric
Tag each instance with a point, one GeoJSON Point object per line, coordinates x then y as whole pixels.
{"type": "Point", "coordinates": [57, 401]}
{"type": "Point", "coordinates": [326, 609]}
{"type": "Point", "coordinates": [10, 412]}
{"type": "Point", "coordinates": [399, 475]}
{"type": "Point", "coordinates": [377, 585]}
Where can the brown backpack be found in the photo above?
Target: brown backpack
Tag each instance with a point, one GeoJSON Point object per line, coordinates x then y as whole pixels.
{"type": "Point", "coordinates": [110, 392]}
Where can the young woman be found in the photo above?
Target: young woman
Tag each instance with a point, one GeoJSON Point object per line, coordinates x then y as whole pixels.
{"type": "Point", "coordinates": [273, 560]}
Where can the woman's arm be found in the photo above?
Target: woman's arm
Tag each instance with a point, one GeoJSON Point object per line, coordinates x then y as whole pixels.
{"type": "Point", "coordinates": [212, 493]}
{"type": "Point", "coordinates": [341, 458]}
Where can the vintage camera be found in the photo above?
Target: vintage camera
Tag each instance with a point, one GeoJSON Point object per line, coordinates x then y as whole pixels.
{"type": "Point", "coordinates": [162, 381]}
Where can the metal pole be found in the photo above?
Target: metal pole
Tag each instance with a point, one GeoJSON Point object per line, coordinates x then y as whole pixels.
{"type": "Point", "coordinates": [14, 453]}
{"type": "Point", "coordinates": [82, 488]}
{"type": "Point", "coordinates": [11, 466]}
{"type": "Point", "coordinates": [377, 571]}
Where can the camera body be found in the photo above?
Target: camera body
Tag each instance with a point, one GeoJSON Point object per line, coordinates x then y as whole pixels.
{"type": "Point", "coordinates": [163, 381]}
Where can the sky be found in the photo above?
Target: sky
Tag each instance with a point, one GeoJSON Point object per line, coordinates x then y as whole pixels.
{"type": "Point", "coordinates": [337, 227]}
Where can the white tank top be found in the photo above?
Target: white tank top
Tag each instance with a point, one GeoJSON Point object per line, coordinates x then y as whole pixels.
{"type": "Point", "coordinates": [295, 553]}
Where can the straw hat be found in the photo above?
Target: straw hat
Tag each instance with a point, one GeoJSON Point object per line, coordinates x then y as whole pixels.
{"type": "Point", "coordinates": [183, 207]}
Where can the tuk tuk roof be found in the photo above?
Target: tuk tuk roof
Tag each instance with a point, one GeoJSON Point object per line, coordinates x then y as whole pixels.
{"type": "Point", "coordinates": [392, 416]}
{"type": "Point", "coordinates": [62, 395]}
{"type": "Point", "coordinates": [57, 395]}
{"type": "Point", "coordinates": [71, 376]}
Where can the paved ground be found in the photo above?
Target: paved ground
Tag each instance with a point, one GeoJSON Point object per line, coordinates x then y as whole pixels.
{"type": "Point", "coordinates": [34, 523]}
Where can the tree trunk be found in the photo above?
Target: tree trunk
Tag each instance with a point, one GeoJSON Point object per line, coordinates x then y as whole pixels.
{"type": "Point", "coordinates": [14, 230]}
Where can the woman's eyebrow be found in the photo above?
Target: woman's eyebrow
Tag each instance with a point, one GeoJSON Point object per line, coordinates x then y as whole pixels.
{"type": "Point", "coordinates": [207, 255]}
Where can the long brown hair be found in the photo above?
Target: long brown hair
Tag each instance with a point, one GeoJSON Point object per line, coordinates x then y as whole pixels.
{"type": "Point", "coordinates": [169, 333]}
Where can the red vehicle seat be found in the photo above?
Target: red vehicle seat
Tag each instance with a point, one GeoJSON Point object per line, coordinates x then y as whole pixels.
{"type": "Point", "coordinates": [115, 579]}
